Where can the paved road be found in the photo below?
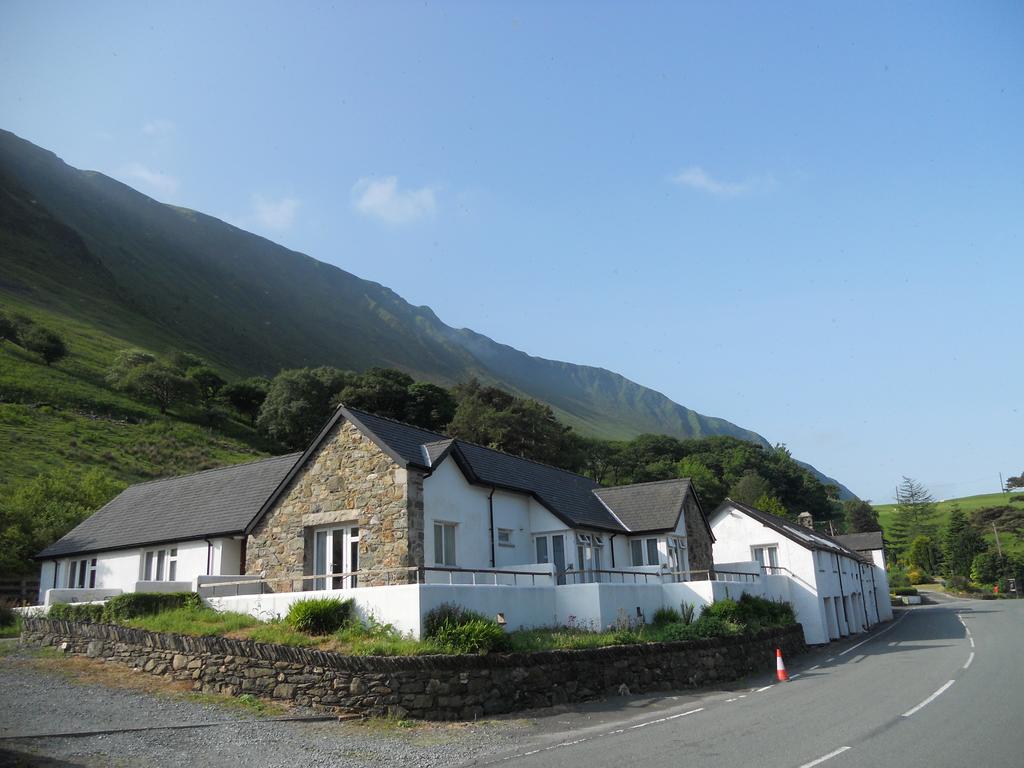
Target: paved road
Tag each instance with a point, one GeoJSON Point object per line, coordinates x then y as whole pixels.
{"type": "Point", "coordinates": [941, 686]}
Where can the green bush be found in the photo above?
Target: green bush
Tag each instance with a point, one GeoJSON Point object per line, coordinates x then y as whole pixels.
{"type": "Point", "coordinates": [706, 626]}
{"type": "Point", "coordinates": [76, 612]}
{"type": "Point", "coordinates": [727, 610]}
{"type": "Point", "coordinates": [752, 612]}
{"type": "Point", "coordinates": [132, 605]}
{"type": "Point", "coordinates": [687, 612]}
{"type": "Point", "coordinates": [664, 616]}
{"type": "Point", "coordinates": [7, 616]}
{"type": "Point", "coordinates": [448, 613]}
{"type": "Point", "coordinates": [472, 636]}
{"type": "Point", "coordinates": [674, 633]}
{"type": "Point", "coordinates": [320, 615]}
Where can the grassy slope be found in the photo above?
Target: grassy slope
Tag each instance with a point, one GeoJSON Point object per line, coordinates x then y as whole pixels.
{"type": "Point", "coordinates": [968, 504]}
{"type": "Point", "coordinates": [65, 416]}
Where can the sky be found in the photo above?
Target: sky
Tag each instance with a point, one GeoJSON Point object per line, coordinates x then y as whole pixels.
{"type": "Point", "coordinates": [806, 218]}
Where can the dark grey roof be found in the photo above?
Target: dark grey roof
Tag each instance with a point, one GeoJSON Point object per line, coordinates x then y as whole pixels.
{"type": "Point", "coordinates": [862, 542]}
{"type": "Point", "coordinates": [437, 451]}
{"type": "Point", "coordinates": [801, 535]}
{"type": "Point", "coordinates": [215, 502]}
{"type": "Point", "coordinates": [403, 441]}
{"type": "Point", "coordinates": [647, 506]}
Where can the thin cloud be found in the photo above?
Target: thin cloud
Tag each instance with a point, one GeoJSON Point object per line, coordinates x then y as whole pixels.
{"type": "Point", "coordinates": [697, 178]}
{"type": "Point", "coordinates": [275, 214]}
{"type": "Point", "coordinates": [383, 199]}
{"type": "Point", "coordinates": [158, 128]}
{"type": "Point", "coordinates": [154, 181]}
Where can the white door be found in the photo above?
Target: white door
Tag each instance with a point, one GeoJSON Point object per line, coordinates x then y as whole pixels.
{"type": "Point", "coordinates": [335, 555]}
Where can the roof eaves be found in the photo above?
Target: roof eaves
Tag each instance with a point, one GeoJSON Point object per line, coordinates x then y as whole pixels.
{"type": "Point", "coordinates": [611, 511]}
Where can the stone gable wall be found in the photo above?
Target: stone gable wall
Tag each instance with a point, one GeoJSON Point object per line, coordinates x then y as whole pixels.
{"type": "Point", "coordinates": [430, 687]}
{"type": "Point", "coordinates": [698, 538]}
{"type": "Point", "coordinates": [348, 480]}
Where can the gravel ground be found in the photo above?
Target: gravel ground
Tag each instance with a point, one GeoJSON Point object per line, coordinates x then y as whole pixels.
{"type": "Point", "coordinates": [41, 696]}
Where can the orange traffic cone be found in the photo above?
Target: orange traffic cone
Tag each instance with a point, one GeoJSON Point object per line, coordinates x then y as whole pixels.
{"type": "Point", "coordinates": [780, 668]}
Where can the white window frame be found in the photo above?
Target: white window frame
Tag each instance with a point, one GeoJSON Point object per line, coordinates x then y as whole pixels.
{"type": "Point", "coordinates": [678, 556]}
{"type": "Point", "coordinates": [324, 564]}
{"type": "Point", "coordinates": [589, 554]}
{"type": "Point", "coordinates": [769, 558]}
{"type": "Point", "coordinates": [81, 573]}
{"type": "Point", "coordinates": [552, 554]}
{"type": "Point", "coordinates": [159, 564]}
{"type": "Point", "coordinates": [506, 534]}
{"type": "Point", "coordinates": [646, 544]}
{"type": "Point", "coordinates": [444, 555]}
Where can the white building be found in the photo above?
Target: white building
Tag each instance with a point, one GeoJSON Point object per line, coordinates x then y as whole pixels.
{"type": "Point", "coordinates": [835, 591]}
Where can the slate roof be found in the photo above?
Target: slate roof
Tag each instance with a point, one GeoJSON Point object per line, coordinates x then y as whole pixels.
{"type": "Point", "coordinates": [862, 542]}
{"type": "Point", "coordinates": [647, 506]}
{"type": "Point", "coordinates": [798, 533]}
{"type": "Point", "coordinates": [215, 502]}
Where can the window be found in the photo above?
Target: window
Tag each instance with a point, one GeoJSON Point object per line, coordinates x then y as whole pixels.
{"type": "Point", "coordinates": [542, 549]}
{"type": "Point", "coordinates": [160, 565]}
{"type": "Point", "coordinates": [444, 544]}
{"type": "Point", "coordinates": [505, 537]}
{"type": "Point", "coordinates": [82, 574]}
{"type": "Point", "coordinates": [644, 552]}
{"type": "Point", "coordinates": [767, 556]}
{"type": "Point", "coordinates": [588, 550]}
{"type": "Point", "coordinates": [678, 558]}
{"type": "Point", "coordinates": [335, 554]}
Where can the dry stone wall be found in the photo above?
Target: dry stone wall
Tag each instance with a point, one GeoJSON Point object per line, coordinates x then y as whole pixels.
{"type": "Point", "coordinates": [349, 480]}
{"type": "Point", "coordinates": [430, 687]}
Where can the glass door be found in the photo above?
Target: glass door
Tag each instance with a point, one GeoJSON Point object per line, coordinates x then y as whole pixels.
{"type": "Point", "coordinates": [335, 552]}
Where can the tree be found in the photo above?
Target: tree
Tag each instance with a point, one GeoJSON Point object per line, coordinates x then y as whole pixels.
{"type": "Point", "coordinates": [923, 554]}
{"type": "Point", "coordinates": [45, 343]}
{"type": "Point", "coordinates": [247, 396]}
{"type": "Point", "coordinates": [429, 406]}
{"type": "Point", "coordinates": [915, 515]}
{"type": "Point", "coordinates": [1015, 482]}
{"type": "Point", "coordinates": [383, 391]}
{"type": "Point", "coordinates": [207, 381]}
{"type": "Point", "coordinates": [124, 361]}
{"type": "Point", "coordinates": [961, 543]}
{"type": "Point", "coordinates": [181, 362]}
{"type": "Point", "coordinates": [770, 503]}
{"type": "Point", "coordinates": [987, 567]}
{"type": "Point", "coordinates": [159, 384]}
{"type": "Point", "coordinates": [298, 403]}
{"type": "Point", "coordinates": [750, 488]}
{"type": "Point", "coordinates": [41, 510]}
{"type": "Point", "coordinates": [860, 516]}
{"type": "Point", "coordinates": [709, 488]}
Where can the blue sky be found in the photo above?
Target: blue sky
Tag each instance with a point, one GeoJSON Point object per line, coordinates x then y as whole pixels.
{"type": "Point", "coordinates": [805, 218]}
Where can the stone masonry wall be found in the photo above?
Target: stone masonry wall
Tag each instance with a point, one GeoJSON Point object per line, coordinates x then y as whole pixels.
{"type": "Point", "coordinates": [431, 687]}
{"type": "Point", "coordinates": [349, 480]}
{"type": "Point", "coordinates": [698, 539]}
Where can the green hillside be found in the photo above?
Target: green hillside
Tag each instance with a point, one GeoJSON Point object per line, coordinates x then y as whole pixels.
{"type": "Point", "coordinates": [1010, 535]}
{"type": "Point", "coordinates": [93, 251]}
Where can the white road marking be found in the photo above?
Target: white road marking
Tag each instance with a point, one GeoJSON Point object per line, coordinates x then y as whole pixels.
{"type": "Point", "coordinates": [873, 637]}
{"type": "Point", "coordinates": [823, 758]}
{"type": "Point", "coordinates": [762, 689]}
{"type": "Point", "coordinates": [795, 675]}
{"type": "Point", "coordinates": [742, 696]}
{"type": "Point", "coordinates": [684, 714]}
{"type": "Point", "coordinates": [969, 660]}
{"type": "Point", "coordinates": [894, 642]}
{"type": "Point", "coordinates": [730, 701]}
{"type": "Point", "coordinates": [972, 641]}
{"type": "Point", "coordinates": [813, 668]}
{"type": "Point", "coordinates": [828, 660]}
{"type": "Point", "coordinates": [929, 700]}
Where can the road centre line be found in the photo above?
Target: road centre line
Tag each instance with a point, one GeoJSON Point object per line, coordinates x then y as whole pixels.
{"type": "Point", "coordinates": [814, 668]}
{"type": "Point", "coordinates": [661, 720]}
{"type": "Point", "coordinates": [762, 689]}
{"type": "Point", "coordinates": [969, 660]}
{"type": "Point", "coordinates": [972, 641]}
{"type": "Point", "coordinates": [823, 758]}
{"type": "Point", "coordinates": [929, 700]}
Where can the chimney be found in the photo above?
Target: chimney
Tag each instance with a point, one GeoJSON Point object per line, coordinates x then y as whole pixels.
{"type": "Point", "coordinates": [805, 519]}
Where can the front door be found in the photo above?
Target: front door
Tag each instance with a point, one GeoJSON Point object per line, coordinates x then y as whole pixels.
{"type": "Point", "coordinates": [335, 557]}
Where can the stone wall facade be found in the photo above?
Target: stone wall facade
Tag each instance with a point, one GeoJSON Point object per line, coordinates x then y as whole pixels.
{"type": "Point", "coordinates": [429, 687]}
{"type": "Point", "coordinates": [351, 481]}
{"type": "Point", "coordinates": [698, 537]}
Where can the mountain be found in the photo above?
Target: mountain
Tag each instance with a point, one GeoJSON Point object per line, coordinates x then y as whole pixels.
{"type": "Point", "coordinates": [164, 276]}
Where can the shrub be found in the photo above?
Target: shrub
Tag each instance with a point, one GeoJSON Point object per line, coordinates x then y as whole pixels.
{"type": "Point", "coordinates": [905, 592]}
{"type": "Point", "coordinates": [664, 616]}
{"type": "Point", "coordinates": [76, 612]}
{"type": "Point", "coordinates": [754, 613]}
{"type": "Point", "coordinates": [917, 576]}
{"type": "Point", "coordinates": [473, 636]}
{"type": "Point", "coordinates": [727, 610]}
{"type": "Point", "coordinates": [898, 577]}
{"type": "Point", "coordinates": [321, 615]}
{"type": "Point", "coordinates": [958, 584]}
{"type": "Point", "coordinates": [687, 612]}
{"type": "Point", "coordinates": [7, 616]}
{"type": "Point", "coordinates": [448, 613]}
{"type": "Point", "coordinates": [135, 604]}
{"type": "Point", "coordinates": [677, 632]}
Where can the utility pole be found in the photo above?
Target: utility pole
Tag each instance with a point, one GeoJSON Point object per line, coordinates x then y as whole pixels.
{"type": "Point", "coordinates": [1002, 485]}
{"type": "Point", "coordinates": [999, 547]}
